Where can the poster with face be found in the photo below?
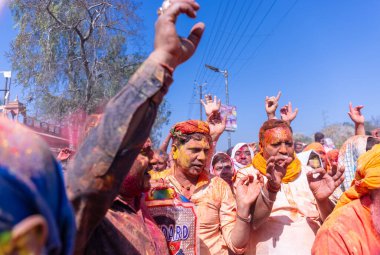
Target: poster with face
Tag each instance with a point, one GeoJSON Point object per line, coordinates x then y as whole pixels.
{"type": "Point", "coordinates": [178, 222]}
{"type": "Point", "coordinates": [230, 112]}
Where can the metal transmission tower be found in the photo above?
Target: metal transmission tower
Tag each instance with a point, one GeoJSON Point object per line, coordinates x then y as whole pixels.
{"type": "Point", "coordinates": [225, 74]}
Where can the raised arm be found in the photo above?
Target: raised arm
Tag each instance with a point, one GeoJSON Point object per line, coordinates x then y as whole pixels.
{"type": "Point", "coordinates": [165, 143]}
{"type": "Point", "coordinates": [287, 113]}
{"type": "Point", "coordinates": [107, 154]}
{"type": "Point", "coordinates": [357, 117]}
{"type": "Point", "coordinates": [271, 104]}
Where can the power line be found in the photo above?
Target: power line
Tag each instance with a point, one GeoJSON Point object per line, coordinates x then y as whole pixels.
{"type": "Point", "coordinates": [265, 38]}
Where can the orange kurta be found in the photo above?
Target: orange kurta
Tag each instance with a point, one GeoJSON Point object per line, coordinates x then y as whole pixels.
{"type": "Point", "coordinates": [348, 230]}
{"type": "Point", "coordinates": [216, 213]}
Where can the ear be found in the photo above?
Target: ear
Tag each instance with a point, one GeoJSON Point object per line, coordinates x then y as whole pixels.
{"type": "Point", "coordinates": [175, 152]}
{"type": "Point", "coordinates": [29, 235]}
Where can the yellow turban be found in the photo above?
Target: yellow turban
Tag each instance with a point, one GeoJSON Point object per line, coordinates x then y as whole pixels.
{"type": "Point", "coordinates": [367, 176]}
{"type": "Point", "coordinates": [292, 171]}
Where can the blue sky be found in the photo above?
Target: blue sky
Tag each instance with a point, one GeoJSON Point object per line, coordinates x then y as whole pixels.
{"type": "Point", "coordinates": [320, 54]}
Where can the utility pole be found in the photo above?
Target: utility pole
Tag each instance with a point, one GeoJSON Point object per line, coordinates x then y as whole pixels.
{"type": "Point", "coordinates": [225, 74]}
{"type": "Point", "coordinates": [200, 88]}
{"type": "Point", "coordinates": [7, 87]}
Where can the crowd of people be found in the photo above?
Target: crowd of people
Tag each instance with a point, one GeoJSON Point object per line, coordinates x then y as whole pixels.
{"type": "Point", "coordinates": [118, 195]}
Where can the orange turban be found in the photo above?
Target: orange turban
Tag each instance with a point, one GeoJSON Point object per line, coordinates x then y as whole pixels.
{"type": "Point", "coordinates": [190, 127]}
{"type": "Point", "coordinates": [367, 177]}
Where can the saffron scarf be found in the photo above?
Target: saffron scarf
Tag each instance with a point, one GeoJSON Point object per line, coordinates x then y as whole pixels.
{"type": "Point", "coordinates": [367, 177]}
{"type": "Point", "coordinates": [292, 171]}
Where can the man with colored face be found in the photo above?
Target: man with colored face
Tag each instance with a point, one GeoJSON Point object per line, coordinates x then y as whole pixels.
{"type": "Point", "coordinates": [224, 223]}
{"type": "Point", "coordinates": [294, 198]}
{"type": "Point", "coordinates": [136, 230]}
{"type": "Point", "coordinates": [354, 225]}
{"type": "Point", "coordinates": [106, 156]}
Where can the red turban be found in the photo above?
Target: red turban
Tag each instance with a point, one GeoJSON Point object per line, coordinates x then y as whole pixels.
{"type": "Point", "coordinates": [190, 127]}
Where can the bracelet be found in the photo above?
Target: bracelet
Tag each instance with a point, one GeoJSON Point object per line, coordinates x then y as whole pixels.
{"type": "Point", "coordinates": [247, 220]}
{"type": "Point", "coordinates": [264, 196]}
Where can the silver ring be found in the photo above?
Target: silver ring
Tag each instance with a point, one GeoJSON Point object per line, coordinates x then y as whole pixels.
{"type": "Point", "coordinates": [165, 5]}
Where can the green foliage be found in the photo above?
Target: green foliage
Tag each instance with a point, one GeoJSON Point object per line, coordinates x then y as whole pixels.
{"type": "Point", "coordinates": [73, 54]}
{"type": "Point", "coordinates": [162, 119]}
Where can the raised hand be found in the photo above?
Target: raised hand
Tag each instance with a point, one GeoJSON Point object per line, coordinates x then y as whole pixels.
{"type": "Point", "coordinates": [323, 184]}
{"type": "Point", "coordinates": [247, 190]}
{"type": "Point", "coordinates": [355, 114]}
{"type": "Point", "coordinates": [287, 113]}
{"type": "Point", "coordinates": [210, 105]}
{"type": "Point", "coordinates": [169, 48]}
{"type": "Point", "coordinates": [271, 104]}
{"type": "Point", "coordinates": [217, 125]}
{"type": "Point", "coordinates": [276, 170]}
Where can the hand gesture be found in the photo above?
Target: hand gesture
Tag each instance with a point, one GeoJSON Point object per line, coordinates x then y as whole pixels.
{"type": "Point", "coordinates": [355, 114]}
{"type": "Point", "coordinates": [271, 104]}
{"type": "Point", "coordinates": [217, 125]}
{"type": "Point", "coordinates": [323, 184]}
{"type": "Point", "coordinates": [210, 105]}
{"type": "Point", "coordinates": [247, 191]}
{"type": "Point", "coordinates": [169, 48]}
{"type": "Point", "coordinates": [276, 169]}
{"type": "Point", "coordinates": [287, 113]}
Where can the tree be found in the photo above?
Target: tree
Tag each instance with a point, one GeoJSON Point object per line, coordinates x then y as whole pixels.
{"type": "Point", "coordinates": [339, 133]}
{"type": "Point", "coordinates": [162, 119]}
{"type": "Point", "coordinates": [302, 138]}
{"type": "Point", "coordinates": [73, 54]}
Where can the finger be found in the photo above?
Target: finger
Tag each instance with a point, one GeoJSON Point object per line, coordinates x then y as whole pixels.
{"type": "Point", "coordinates": [203, 103]}
{"type": "Point", "coordinates": [350, 106]}
{"type": "Point", "coordinates": [290, 106]}
{"type": "Point", "coordinates": [296, 111]}
{"type": "Point", "coordinates": [320, 171]}
{"type": "Point", "coordinates": [278, 95]}
{"type": "Point", "coordinates": [219, 103]}
{"type": "Point", "coordinates": [215, 99]}
{"type": "Point", "coordinates": [176, 8]}
{"type": "Point", "coordinates": [350, 114]}
{"type": "Point", "coordinates": [338, 174]}
{"type": "Point", "coordinates": [196, 33]}
{"type": "Point", "coordinates": [339, 181]}
{"type": "Point", "coordinates": [359, 107]}
{"type": "Point", "coordinates": [243, 180]}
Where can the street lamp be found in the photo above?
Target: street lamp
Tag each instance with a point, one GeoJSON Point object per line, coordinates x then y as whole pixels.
{"type": "Point", "coordinates": [225, 74]}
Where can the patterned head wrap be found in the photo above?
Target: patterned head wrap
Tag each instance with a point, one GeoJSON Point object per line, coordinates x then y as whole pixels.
{"type": "Point", "coordinates": [367, 176]}
{"type": "Point", "coordinates": [190, 127]}
{"type": "Point", "coordinates": [31, 183]}
{"type": "Point", "coordinates": [348, 156]}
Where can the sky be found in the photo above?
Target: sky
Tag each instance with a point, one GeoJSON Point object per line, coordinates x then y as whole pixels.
{"type": "Point", "coordinates": [320, 54]}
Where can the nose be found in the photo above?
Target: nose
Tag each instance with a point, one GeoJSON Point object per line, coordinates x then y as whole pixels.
{"type": "Point", "coordinates": [283, 149]}
{"type": "Point", "coordinates": [202, 155]}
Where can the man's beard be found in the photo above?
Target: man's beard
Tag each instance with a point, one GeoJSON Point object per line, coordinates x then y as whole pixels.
{"type": "Point", "coordinates": [375, 210]}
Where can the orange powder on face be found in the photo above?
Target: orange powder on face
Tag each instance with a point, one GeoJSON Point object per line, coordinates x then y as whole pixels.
{"type": "Point", "coordinates": [276, 135]}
